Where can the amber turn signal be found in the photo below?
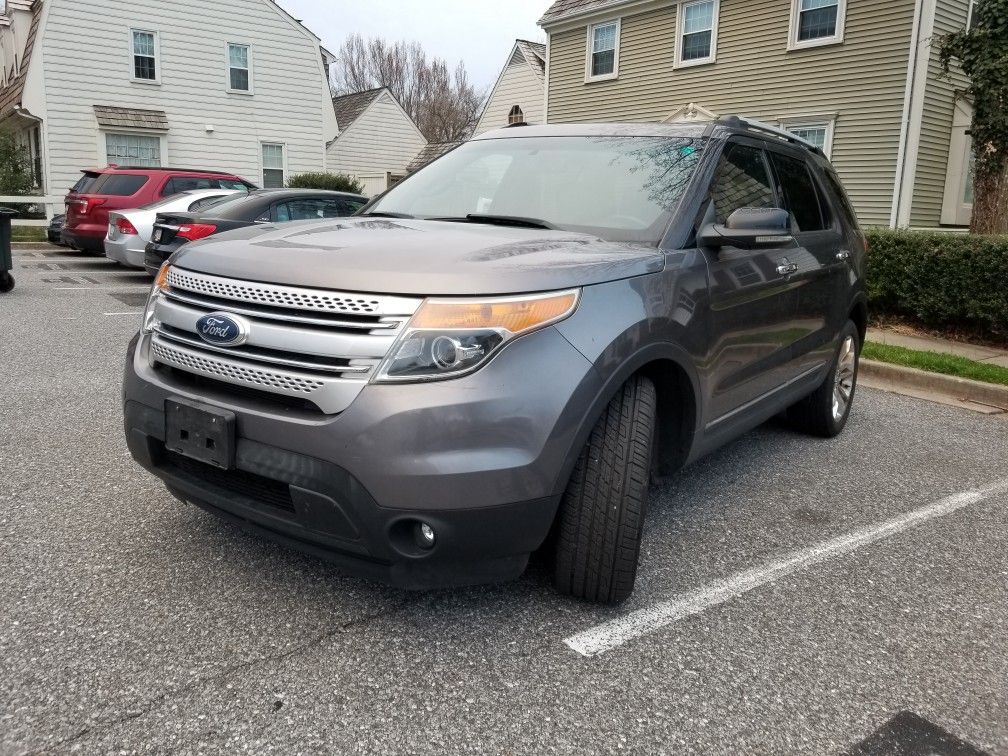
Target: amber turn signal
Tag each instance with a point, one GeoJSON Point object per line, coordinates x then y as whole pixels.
{"type": "Point", "coordinates": [514, 314]}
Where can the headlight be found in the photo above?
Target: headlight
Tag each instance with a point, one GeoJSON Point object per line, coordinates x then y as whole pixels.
{"type": "Point", "coordinates": [160, 284]}
{"type": "Point", "coordinates": [447, 338]}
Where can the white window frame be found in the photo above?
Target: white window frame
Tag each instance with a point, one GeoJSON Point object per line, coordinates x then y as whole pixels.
{"type": "Point", "coordinates": [157, 57]}
{"type": "Point", "coordinates": [228, 67]}
{"type": "Point", "coordinates": [795, 44]}
{"type": "Point", "coordinates": [103, 135]}
{"type": "Point", "coordinates": [678, 62]}
{"type": "Point", "coordinates": [618, 22]}
{"type": "Point", "coordinates": [813, 121]}
{"type": "Point", "coordinates": [969, 15]}
{"type": "Point", "coordinates": [262, 162]}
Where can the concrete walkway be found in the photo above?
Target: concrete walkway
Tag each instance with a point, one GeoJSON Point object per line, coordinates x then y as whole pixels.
{"type": "Point", "coordinates": [923, 343]}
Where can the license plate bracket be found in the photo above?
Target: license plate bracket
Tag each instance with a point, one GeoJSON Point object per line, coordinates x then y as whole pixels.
{"type": "Point", "coordinates": [201, 432]}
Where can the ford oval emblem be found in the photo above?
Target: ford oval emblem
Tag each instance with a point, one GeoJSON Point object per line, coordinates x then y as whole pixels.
{"type": "Point", "coordinates": [221, 329]}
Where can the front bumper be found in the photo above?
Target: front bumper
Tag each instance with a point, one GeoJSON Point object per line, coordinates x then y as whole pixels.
{"type": "Point", "coordinates": [127, 250]}
{"type": "Point", "coordinates": [480, 459]}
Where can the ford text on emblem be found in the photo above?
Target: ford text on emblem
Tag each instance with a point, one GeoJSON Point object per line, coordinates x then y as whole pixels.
{"type": "Point", "coordinates": [221, 329]}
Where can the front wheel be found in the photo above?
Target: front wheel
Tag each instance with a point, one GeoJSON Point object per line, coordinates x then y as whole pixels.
{"type": "Point", "coordinates": [602, 512]}
{"type": "Point", "coordinates": [825, 411]}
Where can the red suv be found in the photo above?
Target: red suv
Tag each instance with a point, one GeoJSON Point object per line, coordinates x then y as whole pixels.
{"type": "Point", "coordinates": [122, 187]}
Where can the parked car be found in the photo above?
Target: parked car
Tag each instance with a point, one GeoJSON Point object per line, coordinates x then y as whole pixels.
{"type": "Point", "coordinates": [507, 344]}
{"type": "Point", "coordinates": [100, 190]}
{"type": "Point", "coordinates": [172, 230]}
{"type": "Point", "coordinates": [54, 231]}
{"type": "Point", "coordinates": [129, 231]}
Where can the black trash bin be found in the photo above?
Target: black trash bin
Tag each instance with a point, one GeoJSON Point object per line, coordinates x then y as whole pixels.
{"type": "Point", "coordinates": [6, 260]}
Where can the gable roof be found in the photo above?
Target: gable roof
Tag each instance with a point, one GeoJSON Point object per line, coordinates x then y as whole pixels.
{"type": "Point", "coordinates": [350, 106]}
{"type": "Point", "coordinates": [431, 152]}
{"type": "Point", "coordinates": [535, 55]}
{"type": "Point", "coordinates": [564, 8]}
{"type": "Point", "coordinates": [10, 96]}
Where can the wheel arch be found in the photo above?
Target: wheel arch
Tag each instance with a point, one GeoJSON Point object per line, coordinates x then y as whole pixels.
{"type": "Point", "coordinates": [858, 313]}
{"type": "Point", "coordinates": [677, 386]}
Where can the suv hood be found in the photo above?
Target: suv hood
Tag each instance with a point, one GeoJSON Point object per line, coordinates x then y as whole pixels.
{"type": "Point", "coordinates": [417, 257]}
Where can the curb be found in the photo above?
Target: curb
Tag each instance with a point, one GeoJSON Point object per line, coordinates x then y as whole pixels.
{"type": "Point", "coordinates": [895, 377]}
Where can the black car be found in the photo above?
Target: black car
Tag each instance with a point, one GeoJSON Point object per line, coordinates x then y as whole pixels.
{"type": "Point", "coordinates": [172, 230]}
{"type": "Point", "coordinates": [54, 232]}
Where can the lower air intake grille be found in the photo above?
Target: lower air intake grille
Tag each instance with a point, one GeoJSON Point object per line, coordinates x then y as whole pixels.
{"type": "Point", "coordinates": [273, 493]}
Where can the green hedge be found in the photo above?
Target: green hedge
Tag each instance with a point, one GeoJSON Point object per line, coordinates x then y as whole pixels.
{"type": "Point", "coordinates": [942, 281]}
{"type": "Point", "coordinates": [334, 182]}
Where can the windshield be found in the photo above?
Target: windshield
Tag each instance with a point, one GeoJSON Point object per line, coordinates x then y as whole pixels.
{"type": "Point", "coordinates": [616, 187]}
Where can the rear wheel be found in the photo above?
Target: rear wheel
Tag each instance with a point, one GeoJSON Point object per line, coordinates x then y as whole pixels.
{"type": "Point", "coordinates": [825, 411]}
{"type": "Point", "coordinates": [602, 512]}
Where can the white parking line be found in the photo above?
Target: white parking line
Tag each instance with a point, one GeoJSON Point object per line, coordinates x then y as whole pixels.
{"type": "Point", "coordinates": [616, 632]}
{"type": "Point", "coordinates": [135, 312]}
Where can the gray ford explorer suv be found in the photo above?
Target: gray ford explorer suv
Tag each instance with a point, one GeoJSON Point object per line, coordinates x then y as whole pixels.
{"type": "Point", "coordinates": [498, 354]}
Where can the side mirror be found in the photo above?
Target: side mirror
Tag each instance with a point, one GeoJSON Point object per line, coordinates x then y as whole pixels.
{"type": "Point", "coordinates": [749, 228]}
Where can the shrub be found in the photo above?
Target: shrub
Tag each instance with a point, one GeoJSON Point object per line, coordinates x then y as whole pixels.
{"type": "Point", "coordinates": [335, 182]}
{"type": "Point", "coordinates": [942, 281]}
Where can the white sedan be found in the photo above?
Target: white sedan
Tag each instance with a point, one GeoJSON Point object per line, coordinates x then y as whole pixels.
{"type": "Point", "coordinates": [130, 230]}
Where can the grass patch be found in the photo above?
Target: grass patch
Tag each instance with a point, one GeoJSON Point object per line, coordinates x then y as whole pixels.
{"type": "Point", "coordinates": [936, 362]}
{"type": "Point", "coordinates": [28, 233]}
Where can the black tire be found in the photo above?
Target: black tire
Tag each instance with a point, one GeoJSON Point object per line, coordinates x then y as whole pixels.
{"type": "Point", "coordinates": [6, 282]}
{"type": "Point", "coordinates": [815, 413]}
{"type": "Point", "coordinates": [602, 512]}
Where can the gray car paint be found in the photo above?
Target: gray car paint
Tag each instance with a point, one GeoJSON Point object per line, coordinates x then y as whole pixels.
{"type": "Point", "coordinates": [511, 431]}
{"type": "Point", "coordinates": [418, 257]}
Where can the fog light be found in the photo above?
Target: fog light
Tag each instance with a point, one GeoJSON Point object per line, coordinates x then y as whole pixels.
{"type": "Point", "coordinates": [424, 535]}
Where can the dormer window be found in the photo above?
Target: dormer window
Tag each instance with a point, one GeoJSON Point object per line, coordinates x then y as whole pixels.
{"type": "Point", "coordinates": [516, 116]}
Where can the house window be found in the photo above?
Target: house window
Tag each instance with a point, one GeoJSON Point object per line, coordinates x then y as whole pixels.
{"type": "Point", "coordinates": [819, 133]}
{"type": "Point", "coordinates": [145, 55]}
{"type": "Point", "coordinates": [516, 116]}
{"type": "Point", "coordinates": [35, 153]}
{"type": "Point", "coordinates": [133, 149]}
{"type": "Point", "coordinates": [603, 51]}
{"type": "Point", "coordinates": [239, 68]}
{"type": "Point", "coordinates": [273, 166]}
{"type": "Point", "coordinates": [817, 22]}
{"type": "Point", "coordinates": [697, 32]}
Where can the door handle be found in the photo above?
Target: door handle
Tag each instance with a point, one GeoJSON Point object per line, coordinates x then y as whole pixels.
{"type": "Point", "coordinates": [787, 268]}
{"type": "Point", "coordinates": [843, 255]}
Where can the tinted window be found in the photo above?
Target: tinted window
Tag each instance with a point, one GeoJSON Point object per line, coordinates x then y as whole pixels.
{"type": "Point", "coordinates": [178, 184]}
{"type": "Point", "coordinates": [621, 188]}
{"type": "Point", "coordinates": [243, 208]}
{"type": "Point", "coordinates": [308, 209]}
{"type": "Point", "coordinates": [741, 180]}
{"type": "Point", "coordinates": [118, 184]}
{"type": "Point", "coordinates": [85, 182]}
{"type": "Point", "coordinates": [840, 197]}
{"type": "Point", "coordinates": [349, 206]}
{"type": "Point", "coordinates": [800, 194]}
{"type": "Point", "coordinates": [202, 204]}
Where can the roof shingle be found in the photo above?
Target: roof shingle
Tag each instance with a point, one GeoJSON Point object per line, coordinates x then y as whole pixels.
{"type": "Point", "coordinates": [131, 118]}
{"type": "Point", "coordinates": [350, 106]}
{"type": "Point", "coordinates": [562, 8]}
{"type": "Point", "coordinates": [11, 94]}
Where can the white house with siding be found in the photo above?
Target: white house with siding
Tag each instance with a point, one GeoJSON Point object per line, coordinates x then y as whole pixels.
{"type": "Point", "coordinates": [377, 139]}
{"type": "Point", "coordinates": [519, 94]}
{"type": "Point", "coordinates": [234, 85]}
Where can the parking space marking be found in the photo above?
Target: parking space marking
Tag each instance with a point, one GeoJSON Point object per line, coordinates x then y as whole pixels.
{"type": "Point", "coordinates": [616, 632]}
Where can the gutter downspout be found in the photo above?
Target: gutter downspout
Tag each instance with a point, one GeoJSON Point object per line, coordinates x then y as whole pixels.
{"type": "Point", "coordinates": [913, 113]}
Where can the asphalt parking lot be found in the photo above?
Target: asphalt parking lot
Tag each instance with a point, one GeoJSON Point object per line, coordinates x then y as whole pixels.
{"type": "Point", "coordinates": [795, 596]}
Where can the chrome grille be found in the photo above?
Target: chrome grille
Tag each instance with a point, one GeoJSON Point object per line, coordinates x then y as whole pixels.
{"type": "Point", "coordinates": [294, 297]}
{"type": "Point", "coordinates": [307, 343]}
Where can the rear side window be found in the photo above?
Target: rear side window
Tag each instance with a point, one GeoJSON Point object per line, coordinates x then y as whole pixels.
{"type": "Point", "coordinates": [801, 196]}
{"type": "Point", "coordinates": [118, 184]}
{"type": "Point", "coordinates": [85, 182]}
{"type": "Point", "coordinates": [177, 184]}
{"type": "Point", "coordinates": [841, 198]}
{"type": "Point", "coordinates": [741, 180]}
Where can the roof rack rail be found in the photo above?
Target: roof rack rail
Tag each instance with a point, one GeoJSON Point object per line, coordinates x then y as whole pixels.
{"type": "Point", "coordinates": [751, 124]}
{"type": "Point", "coordinates": [163, 168]}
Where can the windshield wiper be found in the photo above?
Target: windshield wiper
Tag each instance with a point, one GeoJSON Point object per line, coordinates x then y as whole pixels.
{"type": "Point", "coordinates": [500, 220]}
{"type": "Point", "coordinates": [380, 214]}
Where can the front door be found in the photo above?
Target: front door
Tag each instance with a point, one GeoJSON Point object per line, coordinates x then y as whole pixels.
{"type": "Point", "coordinates": [752, 300]}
